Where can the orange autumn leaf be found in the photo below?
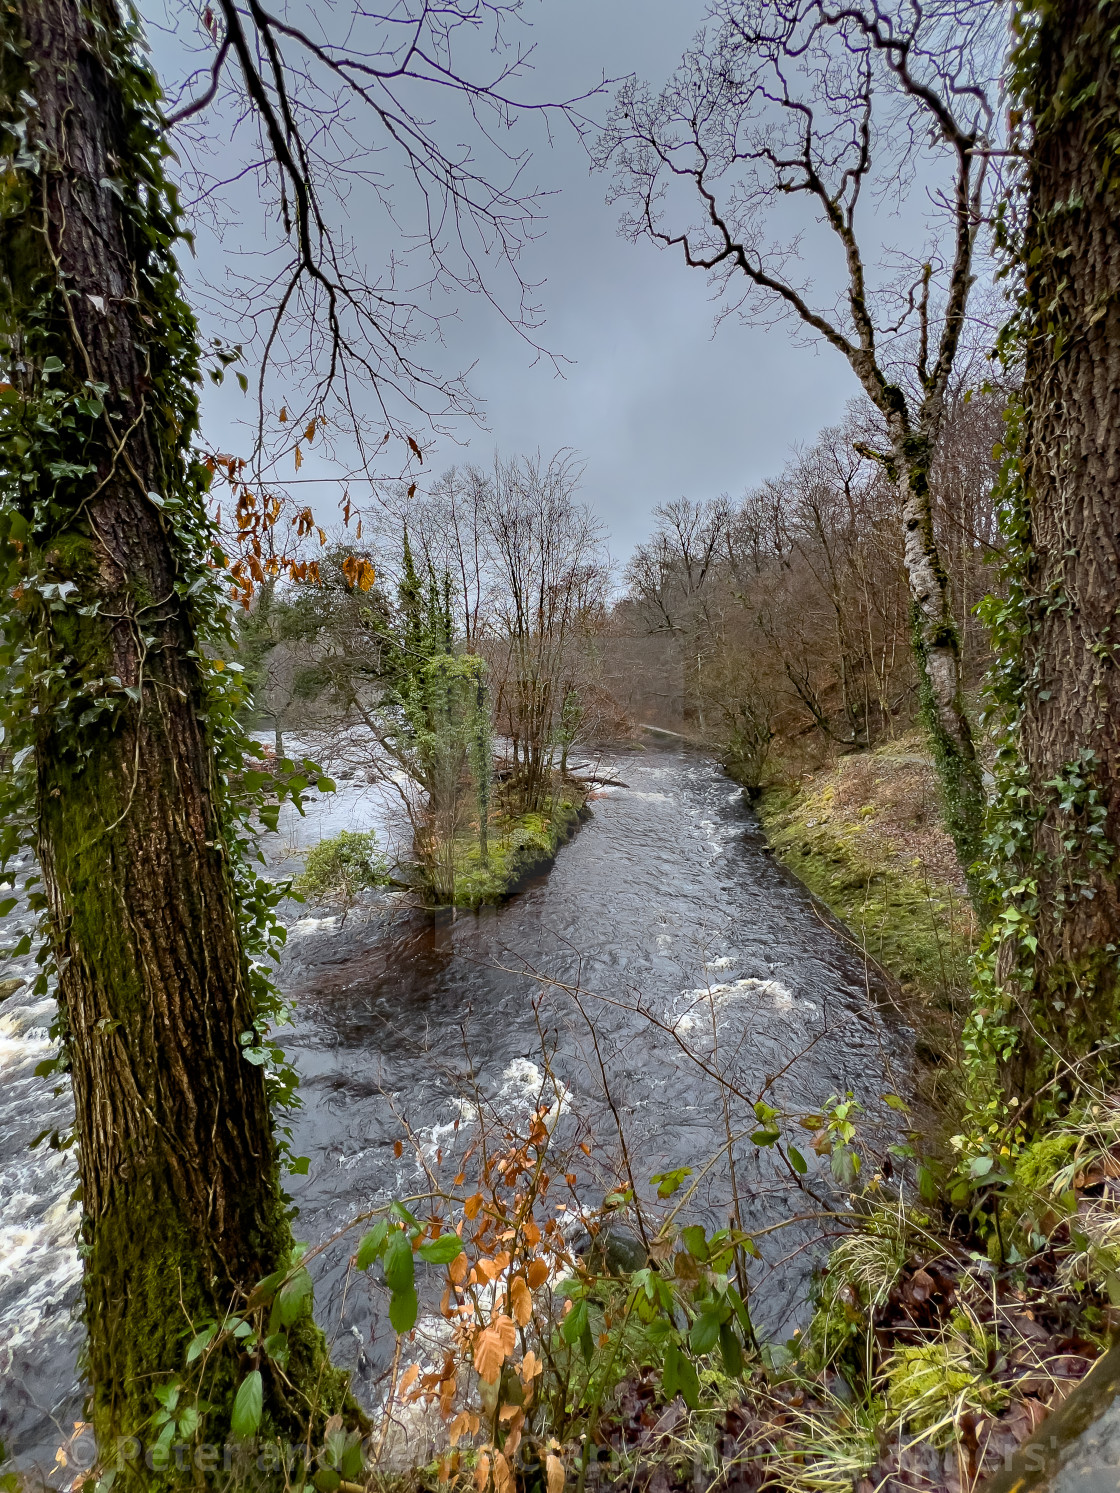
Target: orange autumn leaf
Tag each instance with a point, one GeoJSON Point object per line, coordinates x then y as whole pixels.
{"type": "Point", "coordinates": [459, 1427]}
{"type": "Point", "coordinates": [555, 1471]}
{"type": "Point", "coordinates": [538, 1274]}
{"type": "Point", "coordinates": [503, 1477]}
{"type": "Point", "coordinates": [458, 1267]}
{"type": "Point", "coordinates": [495, 1344]}
{"type": "Point", "coordinates": [409, 1378]}
{"type": "Point", "coordinates": [520, 1300]}
{"type": "Point", "coordinates": [482, 1472]}
{"type": "Point", "coordinates": [472, 1206]}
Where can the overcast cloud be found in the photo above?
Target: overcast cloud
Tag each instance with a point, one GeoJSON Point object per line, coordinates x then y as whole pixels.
{"type": "Point", "coordinates": [655, 403]}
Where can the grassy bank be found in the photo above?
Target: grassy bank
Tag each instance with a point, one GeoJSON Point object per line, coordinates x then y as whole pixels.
{"type": "Point", "coordinates": [519, 846]}
{"type": "Point", "coordinates": [865, 834]}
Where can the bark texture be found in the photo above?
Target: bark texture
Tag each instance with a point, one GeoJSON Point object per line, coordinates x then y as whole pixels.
{"type": "Point", "coordinates": [1070, 722]}
{"type": "Point", "coordinates": [937, 650]}
{"type": "Point", "coordinates": [182, 1207]}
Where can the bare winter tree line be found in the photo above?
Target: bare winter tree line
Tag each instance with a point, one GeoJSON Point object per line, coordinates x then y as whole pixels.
{"type": "Point", "coordinates": [786, 617]}
{"type": "Point", "coordinates": [492, 584]}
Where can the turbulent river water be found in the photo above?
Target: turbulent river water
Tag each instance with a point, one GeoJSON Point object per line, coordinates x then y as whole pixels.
{"type": "Point", "coordinates": [664, 948]}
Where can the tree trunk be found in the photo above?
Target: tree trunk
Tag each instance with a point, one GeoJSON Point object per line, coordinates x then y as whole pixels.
{"type": "Point", "coordinates": [182, 1206]}
{"type": "Point", "coordinates": [938, 658]}
{"type": "Point", "coordinates": [1069, 644]}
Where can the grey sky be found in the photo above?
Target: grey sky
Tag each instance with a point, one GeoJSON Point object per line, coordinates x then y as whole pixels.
{"type": "Point", "coordinates": [655, 404]}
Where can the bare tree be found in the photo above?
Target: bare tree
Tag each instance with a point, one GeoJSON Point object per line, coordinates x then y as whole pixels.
{"type": "Point", "coordinates": [837, 107]}
{"type": "Point", "coordinates": [549, 586]}
{"type": "Point", "coordinates": [118, 712]}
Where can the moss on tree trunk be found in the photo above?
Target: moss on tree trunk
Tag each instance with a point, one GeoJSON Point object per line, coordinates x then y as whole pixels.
{"type": "Point", "coordinates": [1061, 971]}
{"type": "Point", "coordinates": [180, 1182]}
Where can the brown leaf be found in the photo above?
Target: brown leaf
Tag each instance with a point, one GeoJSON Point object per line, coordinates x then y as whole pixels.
{"type": "Point", "coordinates": [489, 1355]}
{"type": "Point", "coordinates": [503, 1477]}
{"type": "Point", "coordinates": [482, 1472]}
{"type": "Point", "coordinates": [458, 1267]}
{"type": "Point", "coordinates": [521, 1301]}
{"type": "Point", "coordinates": [555, 1470]}
{"type": "Point", "coordinates": [538, 1274]}
{"type": "Point", "coordinates": [459, 1427]}
{"type": "Point", "coordinates": [409, 1378]}
{"type": "Point", "coordinates": [472, 1205]}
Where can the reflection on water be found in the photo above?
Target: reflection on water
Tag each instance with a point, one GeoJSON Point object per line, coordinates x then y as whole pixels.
{"type": "Point", "coordinates": [665, 945]}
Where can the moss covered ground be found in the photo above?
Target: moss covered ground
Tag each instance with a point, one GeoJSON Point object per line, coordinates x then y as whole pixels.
{"type": "Point", "coordinates": [865, 835]}
{"type": "Point", "coordinates": [519, 846]}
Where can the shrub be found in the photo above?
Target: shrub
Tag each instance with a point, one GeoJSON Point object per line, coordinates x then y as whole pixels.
{"type": "Point", "coordinates": [342, 867]}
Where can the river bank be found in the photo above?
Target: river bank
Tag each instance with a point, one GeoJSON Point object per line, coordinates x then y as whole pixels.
{"type": "Point", "coordinates": [660, 980]}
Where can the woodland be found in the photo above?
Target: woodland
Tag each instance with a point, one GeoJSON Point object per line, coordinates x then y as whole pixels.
{"type": "Point", "coordinates": [926, 593]}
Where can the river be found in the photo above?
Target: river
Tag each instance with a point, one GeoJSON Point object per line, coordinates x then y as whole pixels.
{"type": "Point", "coordinates": [665, 945]}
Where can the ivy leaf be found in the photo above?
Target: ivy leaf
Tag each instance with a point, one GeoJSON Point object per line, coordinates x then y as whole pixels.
{"type": "Point", "coordinates": [443, 1250]}
{"type": "Point", "coordinates": [295, 1294]}
{"type": "Point", "coordinates": [247, 1406]}
{"type": "Point", "coordinates": [200, 1343]}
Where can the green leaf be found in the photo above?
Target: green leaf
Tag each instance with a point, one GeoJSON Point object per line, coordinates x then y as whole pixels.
{"type": "Point", "coordinates": [200, 1343]}
{"type": "Point", "coordinates": [797, 1161]}
{"type": "Point", "coordinates": [668, 1182]}
{"type": "Point", "coordinates": [443, 1250]}
{"type": "Point", "coordinates": [325, 785]}
{"type": "Point", "coordinates": [705, 1331]}
{"type": "Point", "coordinates": [403, 1309]}
{"type": "Point", "coordinates": [980, 1166]}
{"type": "Point", "coordinates": [573, 1325]}
{"type": "Point", "coordinates": [670, 1374]}
{"type": "Point", "coordinates": [6, 906]}
{"type": "Point", "coordinates": [295, 1295]}
{"type": "Point", "coordinates": [372, 1245]}
{"type": "Point", "coordinates": [730, 1350]}
{"type": "Point", "coordinates": [400, 1270]}
{"type": "Point", "coordinates": [53, 365]}
{"type": "Point", "coordinates": [896, 1103]}
{"type": "Point", "coordinates": [299, 1165]}
{"type": "Point", "coordinates": [689, 1382]}
{"type": "Point", "coordinates": [765, 1137]}
{"type": "Point", "coordinates": [247, 1406]}
{"type": "Point", "coordinates": [695, 1241]}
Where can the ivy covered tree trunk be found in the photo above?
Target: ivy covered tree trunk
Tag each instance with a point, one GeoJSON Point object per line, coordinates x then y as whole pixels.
{"type": "Point", "coordinates": [1063, 967]}
{"type": "Point", "coordinates": [937, 655]}
{"type": "Point", "coordinates": [108, 583]}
